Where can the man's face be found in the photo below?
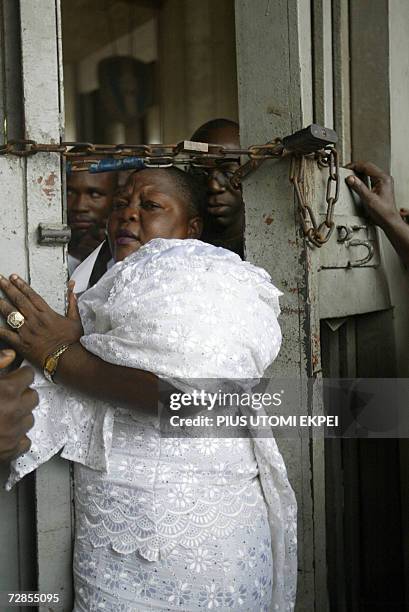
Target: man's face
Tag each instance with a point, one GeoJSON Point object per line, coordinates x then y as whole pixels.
{"type": "Point", "coordinates": [225, 204]}
{"type": "Point", "coordinates": [89, 201]}
{"type": "Point", "coordinates": [149, 206]}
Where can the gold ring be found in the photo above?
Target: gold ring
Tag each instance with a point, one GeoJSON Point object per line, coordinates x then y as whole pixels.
{"type": "Point", "coordinates": [15, 319]}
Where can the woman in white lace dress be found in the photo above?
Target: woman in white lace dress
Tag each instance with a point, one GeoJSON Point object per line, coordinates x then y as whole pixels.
{"type": "Point", "coordinates": [162, 523]}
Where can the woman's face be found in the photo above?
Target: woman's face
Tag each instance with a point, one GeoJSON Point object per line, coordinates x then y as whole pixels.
{"type": "Point", "coordinates": [149, 206]}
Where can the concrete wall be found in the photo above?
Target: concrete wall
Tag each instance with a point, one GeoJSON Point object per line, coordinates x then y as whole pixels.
{"type": "Point", "coordinates": [275, 98]}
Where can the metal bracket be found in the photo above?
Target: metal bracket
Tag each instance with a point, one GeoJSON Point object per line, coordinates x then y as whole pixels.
{"type": "Point", "coordinates": [345, 233]}
{"type": "Point", "coordinates": [53, 233]}
{"type": "Point", "coordinates": [361, 262]}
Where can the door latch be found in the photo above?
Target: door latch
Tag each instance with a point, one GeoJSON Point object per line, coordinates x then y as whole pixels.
{"type": "Point", "coordinates": [53, 233]}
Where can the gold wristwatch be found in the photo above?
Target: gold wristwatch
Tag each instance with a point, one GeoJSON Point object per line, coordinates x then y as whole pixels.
{"type": "Point", "coordinates": [51, 362]}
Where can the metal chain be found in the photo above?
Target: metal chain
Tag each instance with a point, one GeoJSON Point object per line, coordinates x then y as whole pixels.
{"type": "Point", "coordinates": [196, 154]}
{"type": "Point", "coordinates": [203, 155]}
{"type": "Point", "coordinates": [317, 234]}
{"type": "Point", "coordinates": [201, 151]}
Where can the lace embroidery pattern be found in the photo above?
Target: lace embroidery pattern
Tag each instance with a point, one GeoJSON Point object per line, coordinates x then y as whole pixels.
{"type": "Point", "coordinates": [235, 574]}
{"type": "Point", "coordinates": [153, 524]}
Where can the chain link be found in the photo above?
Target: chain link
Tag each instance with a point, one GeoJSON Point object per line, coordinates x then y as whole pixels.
{"type": "Point", "coordinates": [317, 234]}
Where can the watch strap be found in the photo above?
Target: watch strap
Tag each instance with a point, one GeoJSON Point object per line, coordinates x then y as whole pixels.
{"type": "Point", "coordinates": [51, 362]}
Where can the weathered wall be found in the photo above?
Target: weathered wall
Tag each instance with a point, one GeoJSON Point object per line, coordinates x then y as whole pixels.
{"type": "Point", "coordinates": [275, 98]}
{"type": "Point", "coordinates": [31, 193]}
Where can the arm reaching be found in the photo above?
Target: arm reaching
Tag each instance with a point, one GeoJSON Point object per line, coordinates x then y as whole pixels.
{"type": "Point", "coordinates": [379, 202]}
{"type": "Point", "coordinates": [17, 402]}
{"type": "Point", "coordinates": [44, 331]}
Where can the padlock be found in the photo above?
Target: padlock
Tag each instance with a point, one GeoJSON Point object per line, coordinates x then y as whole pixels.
{"type": "Point", "coordinates": [309, 140]}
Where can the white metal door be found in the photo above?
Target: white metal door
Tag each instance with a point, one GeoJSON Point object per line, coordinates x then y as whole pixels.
{"type": "Point", "coordinates": [31, 193]}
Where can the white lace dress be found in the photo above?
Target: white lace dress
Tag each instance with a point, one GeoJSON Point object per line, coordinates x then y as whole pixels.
{"type": "Point", "coordinates": [174, 523]}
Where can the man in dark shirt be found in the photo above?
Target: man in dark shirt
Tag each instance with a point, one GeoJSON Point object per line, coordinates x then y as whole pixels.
{"type": "Point", "coordinates": [89, 202]}
{"type": "Point", "coordinates": [224, 225]}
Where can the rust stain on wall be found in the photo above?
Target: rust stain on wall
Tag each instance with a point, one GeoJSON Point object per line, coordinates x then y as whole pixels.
{"type": "Point", "coordinates": [316, 350]}
{"type": "Point", "coordinates": [49, 193]}
{"type": "Point", "coordinates": [48, 185]}
{"type": "Point", "coordinates": [50, 181]}
{"type": "Point", "coordinates": [268, 219]}
{"type": "Point", "coordinates": [288, 310]}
